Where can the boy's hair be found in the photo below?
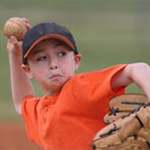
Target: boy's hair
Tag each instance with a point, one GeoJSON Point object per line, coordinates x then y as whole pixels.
{"type": "Point", "coordinates": [45, 31]}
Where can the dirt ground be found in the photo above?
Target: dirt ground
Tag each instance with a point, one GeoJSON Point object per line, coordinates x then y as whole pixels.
{"type": "Point", "coordinates": [13, 137]}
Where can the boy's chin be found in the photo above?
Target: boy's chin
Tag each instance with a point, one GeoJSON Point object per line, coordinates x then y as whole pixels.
{"type": "Point", "coordinates": [56, 88]}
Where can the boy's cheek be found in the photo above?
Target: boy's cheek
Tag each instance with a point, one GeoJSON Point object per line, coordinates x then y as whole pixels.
{"type": "Point", "coordinates": [69, 73]}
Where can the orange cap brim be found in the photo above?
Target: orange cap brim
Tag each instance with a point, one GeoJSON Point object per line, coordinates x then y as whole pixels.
{"type": "Point", "coordinates": [50, 36]}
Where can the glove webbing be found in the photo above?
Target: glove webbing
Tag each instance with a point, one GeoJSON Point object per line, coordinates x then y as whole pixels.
{"type": "Point", "coordinates": [110, 131]}
{"type": "Point", "coordinates": [133, 103]}
{"type": "Point", "coordinates": [141, 123]}
{"type": "Point", "coordinates": [136, 137]}
{"type": "Point", "coordinates": [148, 144]}
{"type": "Point", "coordinates": [114, 111]}
{"type": "Point", "coordinates": [135, 110]}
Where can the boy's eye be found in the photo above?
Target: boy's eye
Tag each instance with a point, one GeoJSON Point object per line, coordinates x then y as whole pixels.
{"type": "Point", "coordinates": [41, 58]}
{"type": "Point", "coordinates": [63, 53]}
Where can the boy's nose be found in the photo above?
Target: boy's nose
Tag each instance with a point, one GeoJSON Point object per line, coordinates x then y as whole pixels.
{"type": "Point", "coordinates": [53, 65]}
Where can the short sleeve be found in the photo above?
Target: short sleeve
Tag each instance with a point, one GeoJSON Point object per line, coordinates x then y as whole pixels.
{"type": "Point", "coordinates": [94, 88]}
{"type": "Point", "coordinates": [30, 116]}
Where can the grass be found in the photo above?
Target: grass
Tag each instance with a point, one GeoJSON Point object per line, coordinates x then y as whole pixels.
{"type": "Point", "coordinates": [107, 32]}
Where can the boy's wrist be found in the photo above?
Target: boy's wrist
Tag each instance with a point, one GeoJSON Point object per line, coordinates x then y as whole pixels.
{"type": "Point", "coordinates": [14, 57]}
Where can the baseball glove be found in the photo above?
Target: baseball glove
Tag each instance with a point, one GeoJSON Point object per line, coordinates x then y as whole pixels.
{"type": "Point", "coordinates": [128, 131]}
{"type": "Point", "coordinates": [122, 105]}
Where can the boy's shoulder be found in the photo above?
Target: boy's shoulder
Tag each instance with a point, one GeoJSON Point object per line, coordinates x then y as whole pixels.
{"type": "Point", "coordinates": [103, 71]}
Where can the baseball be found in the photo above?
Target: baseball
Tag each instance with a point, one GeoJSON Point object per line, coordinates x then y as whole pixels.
{"type": "Point", "coordinates": [17, 27]}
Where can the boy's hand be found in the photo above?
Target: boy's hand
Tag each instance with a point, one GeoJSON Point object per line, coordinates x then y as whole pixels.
{"type": "Point", "coordinates": [14, 46]}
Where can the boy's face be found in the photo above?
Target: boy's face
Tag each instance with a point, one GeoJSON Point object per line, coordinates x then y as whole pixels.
{"type": "Point", "coordinates": [52, 63]}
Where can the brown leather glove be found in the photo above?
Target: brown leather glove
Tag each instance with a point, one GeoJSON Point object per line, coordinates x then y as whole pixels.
{"type": "Point", "coordinates": [129, 131]}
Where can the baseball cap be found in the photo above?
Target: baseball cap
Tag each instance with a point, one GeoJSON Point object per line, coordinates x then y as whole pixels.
{"type": "Point", "coordinates": [45, 31]}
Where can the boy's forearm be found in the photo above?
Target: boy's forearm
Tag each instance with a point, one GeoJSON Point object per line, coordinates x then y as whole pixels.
{"type": "Point", "coordinates": [138, 73]}
{"type": "Point", "coordinates": [141, 75]}
{"type": "Point", "coordinates": [20, 83]}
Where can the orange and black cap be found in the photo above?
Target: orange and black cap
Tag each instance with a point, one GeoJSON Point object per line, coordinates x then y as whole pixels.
{"type": "Point", "coordinates": [44, 31]}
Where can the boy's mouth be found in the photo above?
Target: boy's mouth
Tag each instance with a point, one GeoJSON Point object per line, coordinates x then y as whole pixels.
{"type": "Point", "coordinates": [55, 76]}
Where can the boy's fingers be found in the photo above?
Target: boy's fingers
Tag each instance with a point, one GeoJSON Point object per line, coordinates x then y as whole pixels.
{"type": "Point", "coordinates": [13, 40]}
{"type": "Point", "coordinates": [26, 21]}
{"type": "Point", "coordinates": [17, 45]}
{"type": "Point", "coordinates": [28, 26]}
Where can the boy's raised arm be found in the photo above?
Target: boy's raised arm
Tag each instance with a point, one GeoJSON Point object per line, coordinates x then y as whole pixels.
{"type": "Point", "coordinates": [20, 83]}
{"type": "Point", "coordinates": [138, 73]}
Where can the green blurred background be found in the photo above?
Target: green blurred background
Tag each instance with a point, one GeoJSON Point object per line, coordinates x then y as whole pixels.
{"type": "Point", "coordinates": [107, 32]}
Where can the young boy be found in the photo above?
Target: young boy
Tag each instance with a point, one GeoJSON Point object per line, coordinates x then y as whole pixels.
{"type": "Point", "coordinates": [72, 109]}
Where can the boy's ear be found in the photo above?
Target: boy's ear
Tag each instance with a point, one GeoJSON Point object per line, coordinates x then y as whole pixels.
{"type": "Point", "coordinates": [78, 58]}
{"type": "Point", "coordinates": [27, 69]}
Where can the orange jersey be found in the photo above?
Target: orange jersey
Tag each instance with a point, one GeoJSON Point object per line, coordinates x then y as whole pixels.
{"type": "Point", "coordinates": [71, 118]}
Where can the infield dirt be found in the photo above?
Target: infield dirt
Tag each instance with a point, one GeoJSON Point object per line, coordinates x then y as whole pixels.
{"type": "Point", "coordinates": [13, 137]}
